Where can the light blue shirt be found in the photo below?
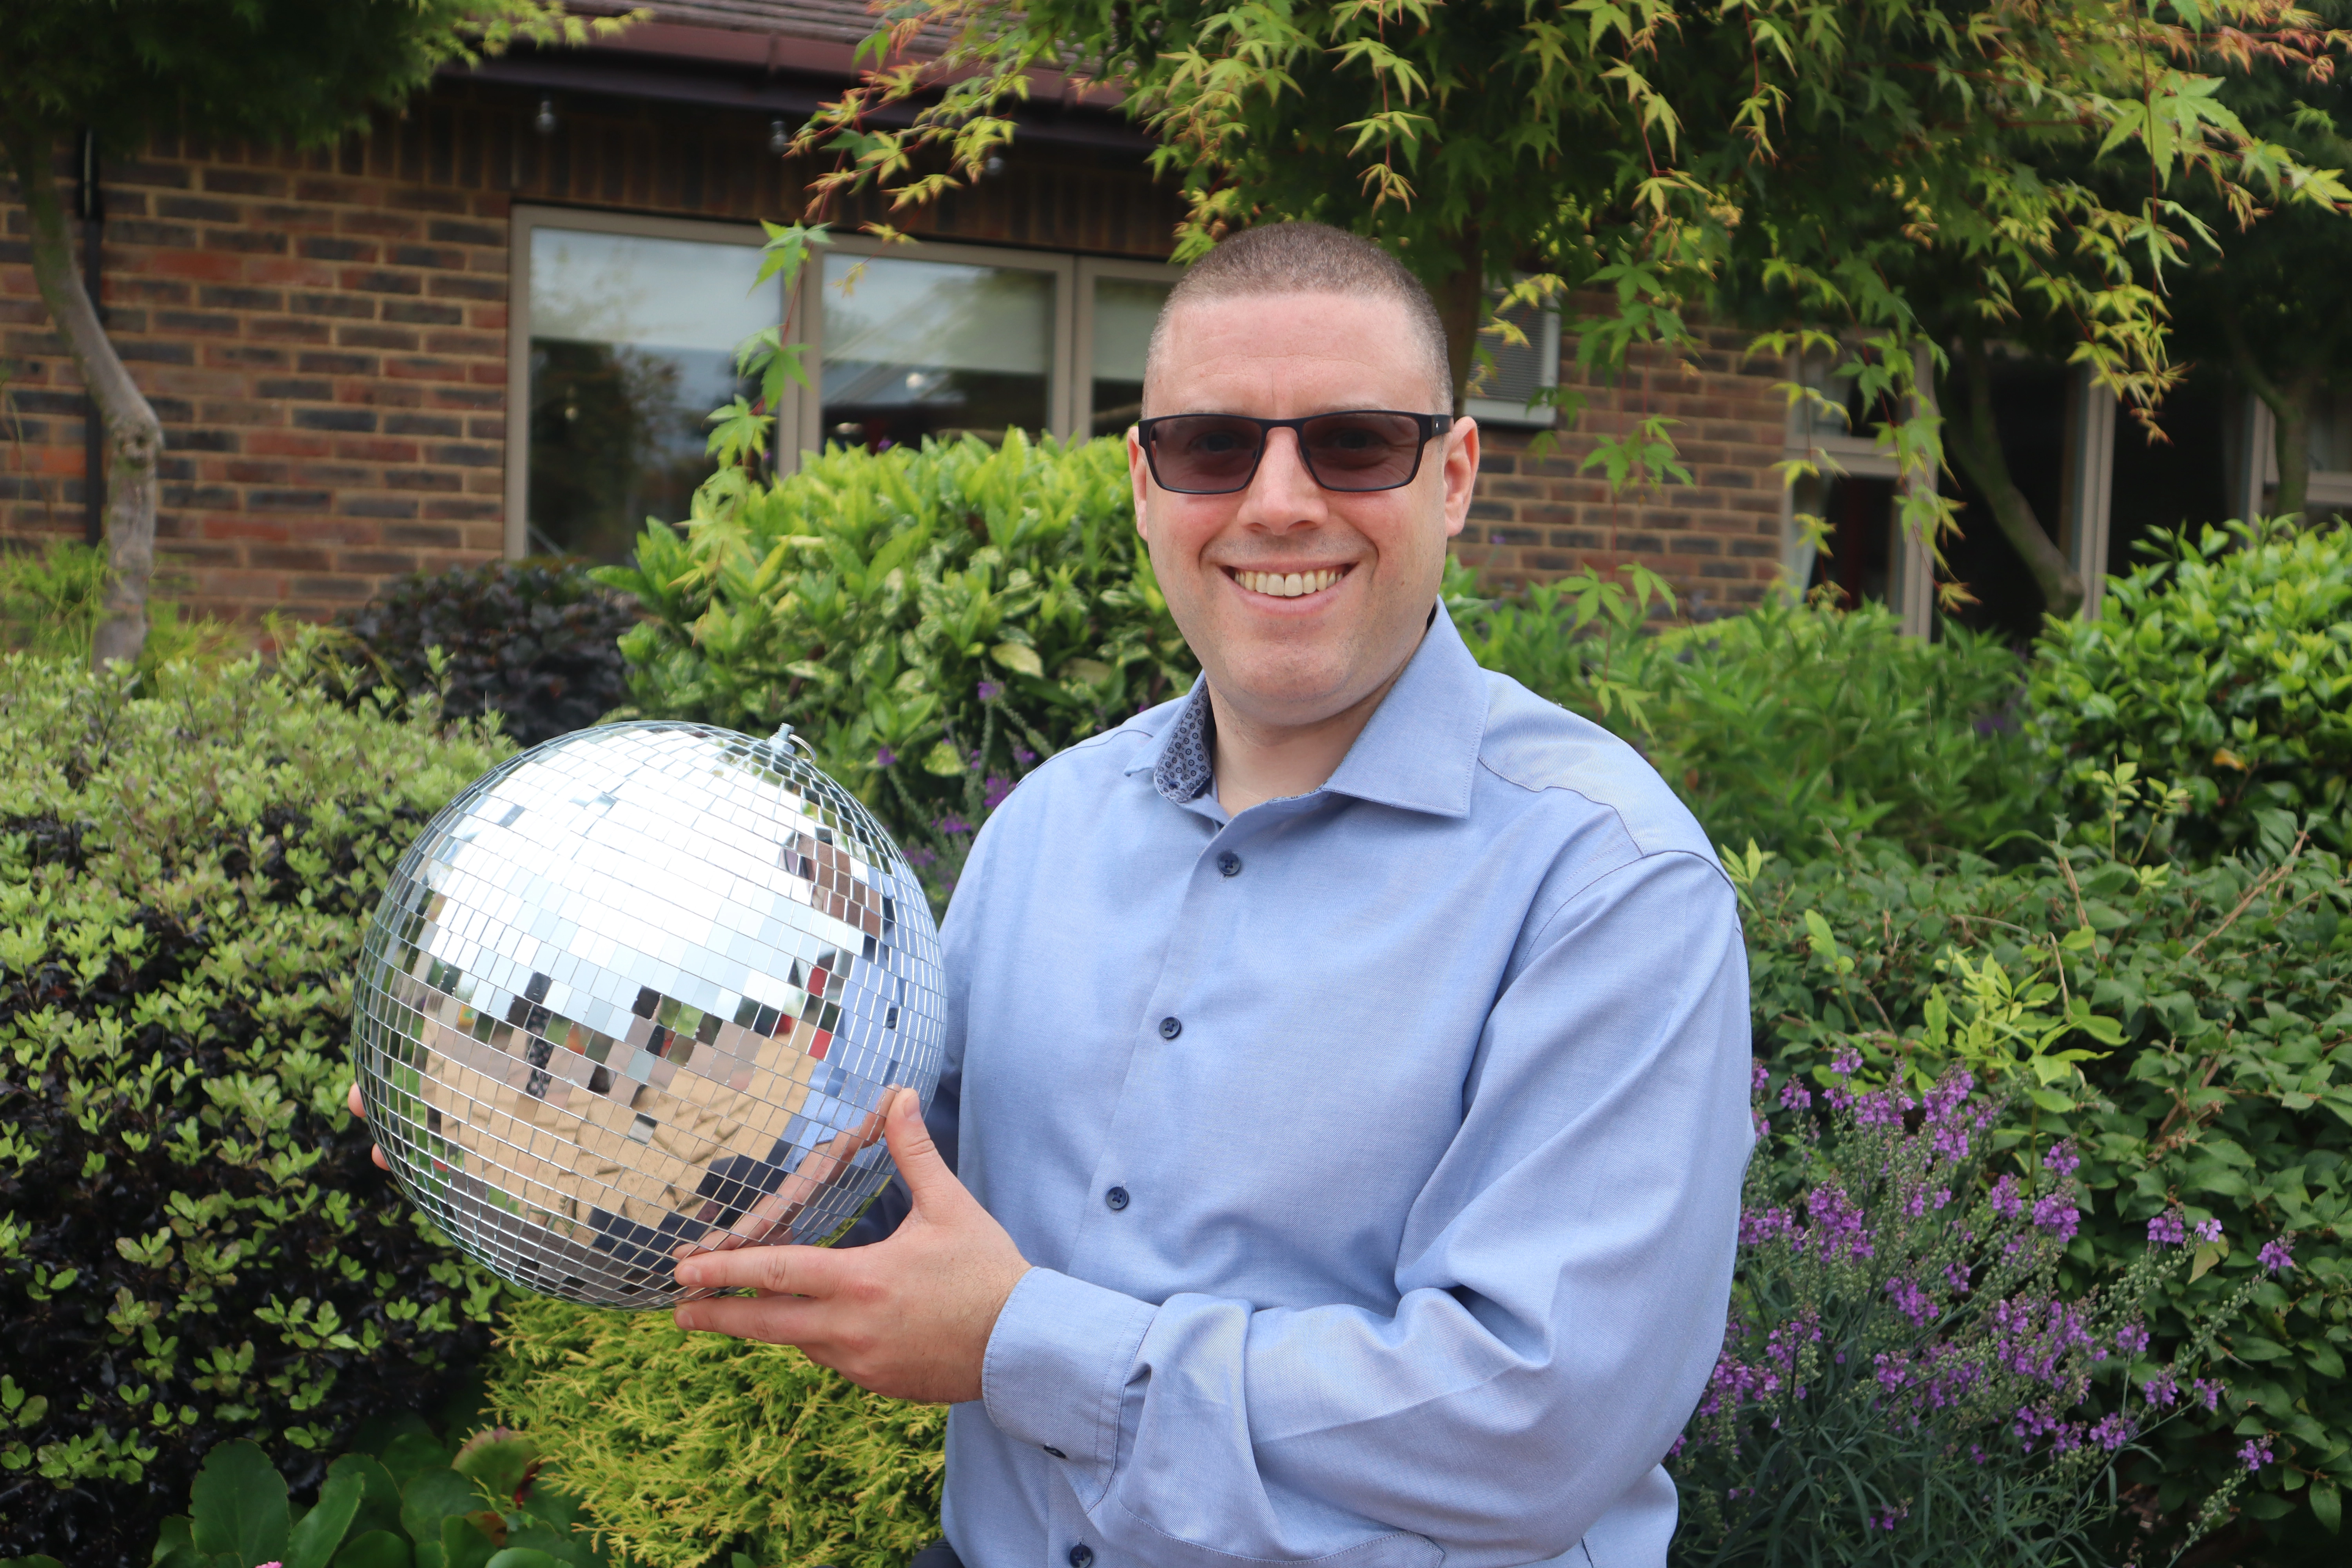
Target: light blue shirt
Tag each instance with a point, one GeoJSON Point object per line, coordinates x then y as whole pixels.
{"type": "Point", "coordinates": [1378, 1150]}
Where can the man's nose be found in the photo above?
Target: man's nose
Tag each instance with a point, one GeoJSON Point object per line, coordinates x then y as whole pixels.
{"type": "Point", "coordinates": [1282, 491]}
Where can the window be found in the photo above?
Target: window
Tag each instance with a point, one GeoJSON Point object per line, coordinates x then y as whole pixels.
{"type": "Point", "coordinates": [1858, 495]}
{"type": "Point", "coordinates": [1500, 393]}
{"type": "Point", "coordinates": [625, 338]}
{"type": "Point", "coordinates": [622, 332]}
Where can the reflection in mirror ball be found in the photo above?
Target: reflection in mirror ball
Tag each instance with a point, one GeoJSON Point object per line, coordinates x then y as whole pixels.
{"type": "Point", "coordinates": [639, 991]}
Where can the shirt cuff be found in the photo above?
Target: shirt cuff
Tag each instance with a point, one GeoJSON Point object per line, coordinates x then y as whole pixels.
{"type": "Point", "coordinates": [1057, 1362]}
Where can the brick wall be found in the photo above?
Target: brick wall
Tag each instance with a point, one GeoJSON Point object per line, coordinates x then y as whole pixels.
{"type": "Point", "coordinates": [323, 335]}
{"type": "Point", "coordinates": [1717, 539]}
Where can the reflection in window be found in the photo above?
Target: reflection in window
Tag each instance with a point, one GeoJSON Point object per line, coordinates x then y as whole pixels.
{"type": "Point", "coordinates": [2331, 433]}
{"type": "Point", "coordinates": [1861, 516]}
{"type": "Point", "coordinates": [933, 348]}
{"type": "Point", "coordinates": [632, 346]}
{"type": "Point", "coordinates": [1125, 310]}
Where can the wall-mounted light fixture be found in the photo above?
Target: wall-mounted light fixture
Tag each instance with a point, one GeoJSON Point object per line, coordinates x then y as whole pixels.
{"type": "Point", "coordinates": [780, 140]}
{"type": "Point", "coordinates": [544, 120]}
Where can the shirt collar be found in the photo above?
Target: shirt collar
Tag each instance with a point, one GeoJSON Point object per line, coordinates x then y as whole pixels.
{"type": "Point", "coordinates": [1419, 751]}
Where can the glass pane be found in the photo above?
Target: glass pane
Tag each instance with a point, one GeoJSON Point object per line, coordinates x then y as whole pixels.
{"type": "Point", "coordinates": [933, 348]}
{"type": "Point", "coordinates": [631, 345]}
{"type": "Point", "coordinates": [2331, 433]}
{"type": "Point", "coordinates": [1125, 310]}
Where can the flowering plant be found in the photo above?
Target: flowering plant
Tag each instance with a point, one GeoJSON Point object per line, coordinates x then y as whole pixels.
{"type": "Point", "coordinates": [1904, 1379]}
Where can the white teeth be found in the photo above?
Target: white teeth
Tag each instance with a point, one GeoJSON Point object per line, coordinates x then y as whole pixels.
{"type": "Point", "coordinates": [1286, 585]}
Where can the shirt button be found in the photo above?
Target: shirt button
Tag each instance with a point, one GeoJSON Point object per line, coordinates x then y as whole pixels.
{"type": "Point", "coordinates": [1081, 1554]}
{"type": "Point", "coordinates": [1055, 1452]}
{"type": "Point", "coordinates": [1116, 1198]}
{"type": "Point", "coordinates": [1170, 1027]}
{"type": "Point", "coordinates": [1230, 864]}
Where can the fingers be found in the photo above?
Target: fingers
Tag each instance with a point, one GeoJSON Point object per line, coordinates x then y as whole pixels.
{"type": "Point", "coordinates": [777, 1320]}
{"type": "Point", "coordinates": [928, 1180]}
{"type": "Point", "coordinates": [359, 1108]}
{"type": "Point", "coordinates": [779, 1271]}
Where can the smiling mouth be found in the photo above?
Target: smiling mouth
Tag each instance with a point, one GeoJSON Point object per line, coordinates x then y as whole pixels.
{"type": "Point", "coordinates": [1288, 585]}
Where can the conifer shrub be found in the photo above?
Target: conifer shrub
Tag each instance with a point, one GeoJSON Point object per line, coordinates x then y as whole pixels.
{"type": "Point", "coordinates": [690, 1449]}
{"type": "Point", "coordinates": [194, 1247]}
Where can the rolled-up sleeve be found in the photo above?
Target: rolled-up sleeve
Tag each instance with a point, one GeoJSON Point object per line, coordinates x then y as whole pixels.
{"type": "Point", "coordinates": [1561, 1289]}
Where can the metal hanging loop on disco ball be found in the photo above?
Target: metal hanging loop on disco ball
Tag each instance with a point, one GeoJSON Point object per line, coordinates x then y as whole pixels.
{"type": "Point", "coordinates": [640, 992]}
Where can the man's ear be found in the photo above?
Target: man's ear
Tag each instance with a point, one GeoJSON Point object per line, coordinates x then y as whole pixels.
{"type": "Point", "coordinates": [1461, 472]}
{"type": "Point", "coordinates": [1139, 477]}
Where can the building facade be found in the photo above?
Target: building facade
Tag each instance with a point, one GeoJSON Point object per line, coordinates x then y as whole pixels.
{"type": "Point", "coordinates": [493, 325]}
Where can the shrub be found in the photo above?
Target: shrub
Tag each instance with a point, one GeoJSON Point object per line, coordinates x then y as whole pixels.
{"type": "Point", "coordinates": [49, 605]}
{"type": "Point", "coordinates": [931, 621]}
{"type": "Point", "coordinates": [1798, 725]}
{"type": "Point", "coordinates": [190, 1231]}
{"type": "Point", "coordinates": [1904, 1380]}
{"type": "Point", "coordinates": [2222, 666]}
{"type": "Point", "coordinates": [686, 1445]}
{"type": "Point", "coordinates": [2181, 1025]}
{"type": "Point", "coordinates": [403, 1501]}
{"type": "Point", "coordinates": [536, 641]}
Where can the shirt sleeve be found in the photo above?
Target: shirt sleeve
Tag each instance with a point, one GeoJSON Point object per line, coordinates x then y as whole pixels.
{"type": "Point", "coordinates": [1561, 1289]}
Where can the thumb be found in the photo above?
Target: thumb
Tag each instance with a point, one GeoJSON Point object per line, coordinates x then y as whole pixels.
{"type": "Point", "coordinates": [928, 1181]}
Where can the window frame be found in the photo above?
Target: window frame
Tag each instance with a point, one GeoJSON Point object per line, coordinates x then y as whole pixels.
{"type": "Point", "coordinates": [528, 220]}
{"type": "Point", "coordinates": [1082, 336]}
{"type": "Point", "coordinates": [1911, 587]}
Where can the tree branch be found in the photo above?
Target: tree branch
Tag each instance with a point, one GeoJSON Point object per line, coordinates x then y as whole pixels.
{"type": "Point", "coordinates": [1972, 435]}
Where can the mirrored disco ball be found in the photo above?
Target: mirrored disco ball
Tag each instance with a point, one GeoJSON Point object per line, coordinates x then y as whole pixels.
{"type": "Point", "coordinates": [638, 991]}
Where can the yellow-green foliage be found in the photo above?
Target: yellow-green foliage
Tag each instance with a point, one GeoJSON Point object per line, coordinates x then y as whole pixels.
{"type": "Point", "coordinates": [690, 1446]}
{"type": "Point", "coordinates": [49, 605]}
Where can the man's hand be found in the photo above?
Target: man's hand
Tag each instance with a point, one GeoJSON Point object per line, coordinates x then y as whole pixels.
{"type": "Point", "coordinates": [908, 1317]}
{"type": "Point", "coordinates": [375, 1151]}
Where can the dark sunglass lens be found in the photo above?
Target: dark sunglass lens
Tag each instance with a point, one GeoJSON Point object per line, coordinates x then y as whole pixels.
{"type": "Point", "coordinates": [1362, 451]}
{"type": "Point", "coordinates": [1204, 453]}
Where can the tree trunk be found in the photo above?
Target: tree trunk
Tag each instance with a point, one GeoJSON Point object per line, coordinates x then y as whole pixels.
{"type": "Point", "coordinates": [2289, 401]}
{"type": "Point", "coordinates": [1973, 438]}
{"type": "Point", "coordinates": [1460, 300]}
{"type": "Point", "coordinates": [134, 437]}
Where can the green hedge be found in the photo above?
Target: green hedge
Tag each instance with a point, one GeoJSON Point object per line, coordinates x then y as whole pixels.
{"type": "Point", "coordinates": [932, 620]}
{"type": "Point", "coordinates": [191, 1236]}
{"type": "Point", "coordinates": [2221, 666]}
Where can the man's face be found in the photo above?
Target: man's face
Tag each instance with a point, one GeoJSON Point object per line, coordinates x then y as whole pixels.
{"type": "Point", "coordinates": [1275, 658]}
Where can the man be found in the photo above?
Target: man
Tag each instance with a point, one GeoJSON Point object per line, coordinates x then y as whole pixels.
{"type": "Point", "coordinates": [1339, 1151]}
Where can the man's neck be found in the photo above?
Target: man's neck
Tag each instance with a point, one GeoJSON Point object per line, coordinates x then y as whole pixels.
{"type": "Point", "coordinates": [1257, 761]}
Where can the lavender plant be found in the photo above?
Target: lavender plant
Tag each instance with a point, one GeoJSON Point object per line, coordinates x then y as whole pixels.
{"type": "Point", "coordinates": [1904, 1379]}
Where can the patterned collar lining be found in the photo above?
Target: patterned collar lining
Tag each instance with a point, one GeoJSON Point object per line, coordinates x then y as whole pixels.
{"type": "Point", "coordinates": [1185, 768]}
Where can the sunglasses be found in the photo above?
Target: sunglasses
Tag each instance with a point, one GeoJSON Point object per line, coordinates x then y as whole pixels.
{"type": "Point", "coordinates": [1217, 454]}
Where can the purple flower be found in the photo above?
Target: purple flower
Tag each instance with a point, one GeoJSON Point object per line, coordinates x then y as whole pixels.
{"type": "Point", "coordinates": [2256, 1453]}
{"type": "Point", "coordinates": [2165, 1229]}
{"type": "Point", "coordinates": [994, 790]}
{"type": "Point", "coordinates": [1771, 1224]}
{"type": "Point", "coordinates": [2131, 1339]}
{"type": "Point", "coordinates": [2162, 1390]}
{"type": "Point", "coordinates": [1910, 1300]}
{"type": "Point", "coordinates": [2208, 1392]}
{"type": "Point", "coordinates": [2055, 1213]}
{"type": "Point", "coordinates": [2208, 1229]}
{"type": "Point", "coordinates": [2062, 1160]}
{"type": "Point", "coordinates": [2278, 1256]}
{"type": "Point", "coordinates": [1023, 756]}
{"type": "Point", "coordinates": [990, 691]}
{"type": "Point", "coordinates": [920, 858]}
{"type": "Point", "coordinates": [886, 758]}
{"type": "Point", "coordinates": [953, 826]}
{"type": "Point", "coordinates": [2113, 1432]}
{"type": "Point", "coordinates": [1836, 1228]}
{"type": "Point", "coordinates": [1847, 1062]}
{"type": "Point", "coordinates": [2007, 1201]}
{"type": "Point", "coordinates": [1760, 1078]}
{"type": "Point", "coordinates": [1795, 1096]}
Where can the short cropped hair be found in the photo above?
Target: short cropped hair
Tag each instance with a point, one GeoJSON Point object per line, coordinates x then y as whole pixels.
{"type": "Point", "coordinates": [1304, 257]}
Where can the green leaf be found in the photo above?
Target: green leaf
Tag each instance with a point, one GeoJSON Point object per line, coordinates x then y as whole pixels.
{"type": "Point", "coordinates": [433, 1496]}
{"type": "Point", "coordinates": [499, 1462]}
{"type": "Point", "coordinates": [2327, 1506]}
{"type": "Point", "coordinates": [465, 1545]}
{"type": "Point", "coordinates": [176, 1532]}
{"type": "Point", "coordinates": [943, 760]}
{"type": "Point", "coordinates": [1018, 658]}
{"type": "Point", "coordinates": [379, 1506]}
{"type": "Point", "coordinates": [523, 1557]}
{"type": "Point", "coordinates": [315, 1536]}
{"type": "Point", "coordinates": [376, 1549]}
{"type": "Point", "coordinates": [239, 1504]}
{"type": "Point", "coordinates": [34, 1563]}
